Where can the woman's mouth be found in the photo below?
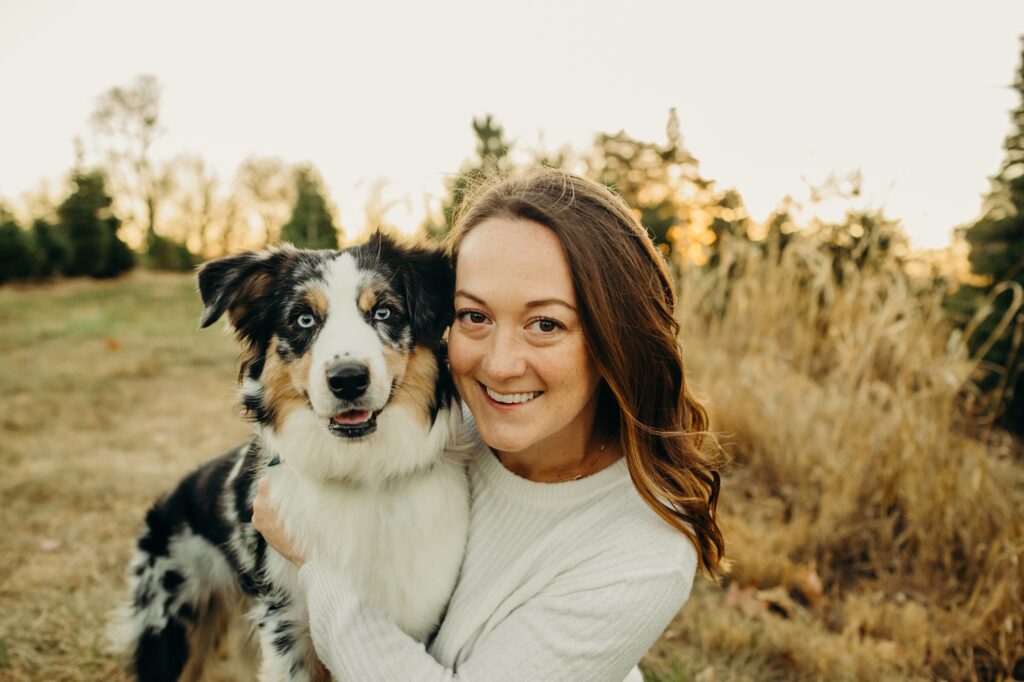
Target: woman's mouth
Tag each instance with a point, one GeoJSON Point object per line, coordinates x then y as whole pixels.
{"type": "Point", "coordinates": [509, 399]}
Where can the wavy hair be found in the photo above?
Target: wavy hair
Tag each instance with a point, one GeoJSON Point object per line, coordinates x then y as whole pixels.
{"type": "Point", "coordinates": [626, 304]}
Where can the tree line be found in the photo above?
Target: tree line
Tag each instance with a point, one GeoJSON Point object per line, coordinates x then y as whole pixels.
{"type": "Point", "coordinates": [177, 213]}
{"type": "Point", "coordinates": [123, 207]}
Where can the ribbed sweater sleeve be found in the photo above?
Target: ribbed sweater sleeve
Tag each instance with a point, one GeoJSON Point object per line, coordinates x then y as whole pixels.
{"type": "Point", "coordinates": [594, 634]}
{"type": "Point", "coordinates": [567, 581]}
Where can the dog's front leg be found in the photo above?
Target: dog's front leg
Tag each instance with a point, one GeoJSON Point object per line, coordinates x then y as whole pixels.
{"type": "Point", "coordinates": [285, 643]}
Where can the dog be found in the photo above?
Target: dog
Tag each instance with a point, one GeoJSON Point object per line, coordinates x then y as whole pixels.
{"type": "Point", "coordinates": [343, 375]}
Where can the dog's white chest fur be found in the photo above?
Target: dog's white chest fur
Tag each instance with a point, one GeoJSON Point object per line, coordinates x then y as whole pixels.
{"type": "Point", "coordinates": [398, 545]}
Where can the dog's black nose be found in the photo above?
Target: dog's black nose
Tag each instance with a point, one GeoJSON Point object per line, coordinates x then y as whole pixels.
{"type": "Point", "coordinates": [348, 380]}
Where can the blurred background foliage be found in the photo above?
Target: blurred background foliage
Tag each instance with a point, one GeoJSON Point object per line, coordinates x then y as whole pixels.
{"type": "Point", "coordinates": [173, 215]}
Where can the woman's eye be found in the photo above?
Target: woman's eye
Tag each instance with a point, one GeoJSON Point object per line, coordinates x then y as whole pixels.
{"type": "Point", "coordinates": [472, 316]}
{"type": "Point", "coordinates": [546, 326]}
{"type": "Point", "coordinates": [382, 313]}
{"type": "Point", "coordinates": [305, 320]}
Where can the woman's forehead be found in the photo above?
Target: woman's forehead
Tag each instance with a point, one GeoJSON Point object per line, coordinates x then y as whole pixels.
{"type": "Point", "coordinates": [508, 256]}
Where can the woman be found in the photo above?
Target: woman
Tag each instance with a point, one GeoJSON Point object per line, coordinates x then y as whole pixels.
{"type": "Point", "coordinates": [593, 505]}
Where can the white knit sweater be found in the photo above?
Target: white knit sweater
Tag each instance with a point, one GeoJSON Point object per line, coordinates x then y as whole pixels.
{"type": "Point", "coordinates": [565, 581]}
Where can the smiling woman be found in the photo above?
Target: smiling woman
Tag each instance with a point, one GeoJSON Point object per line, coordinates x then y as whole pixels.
{"type": "Point", "coordinates": [593, 504]}
{"type": "Point", "coordinates": [519, 356]}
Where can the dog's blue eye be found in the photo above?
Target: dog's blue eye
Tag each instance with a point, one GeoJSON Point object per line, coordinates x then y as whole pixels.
{"type": "Point", "coordinates": [381, 314]}
{"type": "Point", "coordinates": [306, 320]}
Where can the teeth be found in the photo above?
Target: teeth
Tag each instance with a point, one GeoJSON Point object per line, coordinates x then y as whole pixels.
{"type": "Point", "coordinates": [511, 398]}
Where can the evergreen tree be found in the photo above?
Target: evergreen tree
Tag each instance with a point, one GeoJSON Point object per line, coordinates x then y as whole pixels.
{"type": "Point", "coordinates": [997, 257]}
{"type": "Point", "coordinates": [53, 247]}
{"type": "Point", "coordinates": [17, 252]}
{"type": "Point", "coordinates": [311, 225]}
{"type": "Point", "coordinates": [492, 157]}
{"type": "Point", "coordinates": [91, 228]}
{"type": "Point", "coordinates": [121, 257]}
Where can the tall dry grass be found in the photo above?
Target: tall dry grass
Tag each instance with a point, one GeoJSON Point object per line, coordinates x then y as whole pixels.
{"type": "Point", "coordinates": [843, 403]}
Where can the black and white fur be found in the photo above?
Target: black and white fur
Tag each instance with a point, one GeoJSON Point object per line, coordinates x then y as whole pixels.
{"type": "Point", "coordinates": [343, 375]}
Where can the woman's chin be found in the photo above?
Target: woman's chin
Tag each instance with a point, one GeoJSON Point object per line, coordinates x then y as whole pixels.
{"type": "Point", "coordinates": [502, 441]}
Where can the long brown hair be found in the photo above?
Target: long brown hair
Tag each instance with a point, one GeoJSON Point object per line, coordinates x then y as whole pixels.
{"type": "Point", "coordinates": [626, 303]}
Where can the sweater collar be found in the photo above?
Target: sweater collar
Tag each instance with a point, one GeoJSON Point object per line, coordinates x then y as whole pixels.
{"type": "Point", "coordinates": [487, 465]}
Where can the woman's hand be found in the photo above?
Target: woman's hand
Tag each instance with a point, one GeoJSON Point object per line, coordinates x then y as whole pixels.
{"type": "Point", "coordinates": [266, 522]}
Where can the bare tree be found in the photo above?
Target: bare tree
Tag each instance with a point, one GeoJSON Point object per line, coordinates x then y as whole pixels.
{"type": "Point", "coordinates": [265, 187]}
{"type": "Point", "coordinates": [233, 225]}
{"type": "Point", "coordinates": [193, 202]}
{"type": "Point", "coordinates": [377, 208]}
{"type": "Point", "coordinates": [126, 123]}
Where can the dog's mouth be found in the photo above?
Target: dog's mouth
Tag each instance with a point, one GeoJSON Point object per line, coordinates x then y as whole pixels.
{"type": "Point", "coordinates": [353, 423]}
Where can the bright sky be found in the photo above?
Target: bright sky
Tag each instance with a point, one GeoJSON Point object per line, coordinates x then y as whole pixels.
{"type": "Point", "coordinates": [770, 95]}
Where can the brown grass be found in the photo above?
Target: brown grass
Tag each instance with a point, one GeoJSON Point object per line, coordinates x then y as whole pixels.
{"type": "Point", "coordinates": [872, 538]}
{"type": "Point", "coordinates": [108, 394]}
{"type": "Point", "coordinates": [840, 408]}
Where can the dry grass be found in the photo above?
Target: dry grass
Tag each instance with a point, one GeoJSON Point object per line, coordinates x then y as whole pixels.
{"type": "Point", "coordinates": [851, 468]}
{"type": "Point", "coordinates": [108, 394]}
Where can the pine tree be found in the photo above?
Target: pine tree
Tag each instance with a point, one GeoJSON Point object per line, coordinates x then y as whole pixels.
{"type": "Point", "coordinates": [54, 249]}
{"type": "Point", "coordinates": [17, 251]}
{"type": "Point", "coordinates": [492, 157]}
{"type": "Point", "coordinates": [997, 257]}
{"type": "Point", "coordinates": [91, 228]}
{"type": "Point", "coordinates": [312, 224]}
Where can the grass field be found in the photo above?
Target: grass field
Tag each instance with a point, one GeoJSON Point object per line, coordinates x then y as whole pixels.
{"type": "Point", "coordinates": [109, 394]}
{"type": "Point", "coordinates": [893, 555]}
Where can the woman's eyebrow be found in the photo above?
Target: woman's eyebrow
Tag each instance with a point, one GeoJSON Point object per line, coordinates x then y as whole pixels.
{"type": "Point", "coordinates": [463, 292]}
{"type": "Point", "coordinates": [530, 304]}
{"type": "Point", "coordinates": [550, 301]}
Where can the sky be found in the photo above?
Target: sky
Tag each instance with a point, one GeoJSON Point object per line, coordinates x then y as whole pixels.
{"type": "Point", "coordinates": [772, 97]}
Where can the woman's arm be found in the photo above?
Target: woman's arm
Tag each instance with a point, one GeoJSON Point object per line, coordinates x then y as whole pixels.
{"type": "Point", "coordinates": [563, 633]}
{"type": "Point", "coordinates": [598, 634]}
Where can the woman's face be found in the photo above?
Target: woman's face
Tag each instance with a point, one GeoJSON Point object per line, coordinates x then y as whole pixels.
{"type": "Point", "coordinates": [517, 351]}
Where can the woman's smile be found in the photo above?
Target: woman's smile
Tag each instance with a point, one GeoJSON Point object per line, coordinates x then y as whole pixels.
{"type": "Point", "coordinates": [509, 399]}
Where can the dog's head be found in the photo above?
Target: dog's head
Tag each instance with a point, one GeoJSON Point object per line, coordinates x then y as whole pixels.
{"type": "Point", "coordinates": [335, 341]}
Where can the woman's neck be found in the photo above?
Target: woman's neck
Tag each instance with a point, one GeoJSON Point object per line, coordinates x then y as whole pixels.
{"type": "Point", "coordinates": [575, 452]}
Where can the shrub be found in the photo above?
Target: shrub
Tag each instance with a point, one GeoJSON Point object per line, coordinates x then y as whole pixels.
{"type": "Point", "coordinates": [167, 254]}
{"type": "Point", "coordinates": [17, 252]}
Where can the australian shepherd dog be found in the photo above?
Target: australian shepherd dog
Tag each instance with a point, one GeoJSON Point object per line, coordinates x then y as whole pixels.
{"type": "Point", "coordinates": [343, 376]}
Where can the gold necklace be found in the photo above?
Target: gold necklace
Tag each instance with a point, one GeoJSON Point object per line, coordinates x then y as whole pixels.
{"type": "Point", "coordinates": [586, 472]}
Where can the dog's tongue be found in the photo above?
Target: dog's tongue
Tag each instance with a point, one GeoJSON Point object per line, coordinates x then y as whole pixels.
{"type": "Point", "coordinates": [351, 417]}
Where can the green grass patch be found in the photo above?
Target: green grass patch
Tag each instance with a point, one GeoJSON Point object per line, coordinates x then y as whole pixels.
{"type": "Point", "coordinates": [141, 306]}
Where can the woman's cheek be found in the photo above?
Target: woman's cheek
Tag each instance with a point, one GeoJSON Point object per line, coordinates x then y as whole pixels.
{"type": "Point", "coordinates": [458, 350]}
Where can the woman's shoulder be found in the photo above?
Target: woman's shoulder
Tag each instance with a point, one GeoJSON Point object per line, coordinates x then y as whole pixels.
{"type": "Point", "coordinates": [643, 540]}
{"type": "Point", "coordinates": [626, 547]}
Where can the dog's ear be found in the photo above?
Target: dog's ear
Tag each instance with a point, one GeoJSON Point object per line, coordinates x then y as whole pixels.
{"type": "Point", "coordinates": [241, 285]}
{"type": "Point", "coordinates": [430, 291]}
{"type": "Point", "coordinates": [429, 282]}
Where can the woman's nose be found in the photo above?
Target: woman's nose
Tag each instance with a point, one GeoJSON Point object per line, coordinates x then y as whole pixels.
{"type": "Point", "coordinates": [505, 358]}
